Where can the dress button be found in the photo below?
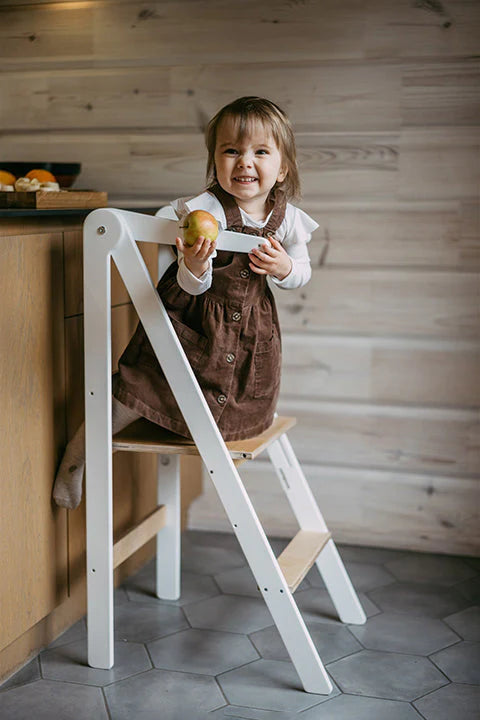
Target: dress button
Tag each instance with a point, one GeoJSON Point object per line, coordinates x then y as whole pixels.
{"type": "Point", "coordinates": [230, 357]}
{"type": "Point", "coordinates": [244, 273]}
{"type": "Point", "coordinates": [222, 399]}
{"type": "Point", "coordinates": [236, 316]}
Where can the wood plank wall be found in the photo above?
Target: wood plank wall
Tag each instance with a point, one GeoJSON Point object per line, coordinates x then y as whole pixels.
{"type": "Point", "coordinates": [382, 347]}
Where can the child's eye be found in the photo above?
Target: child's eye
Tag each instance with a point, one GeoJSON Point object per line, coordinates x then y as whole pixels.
{"type": "Point", "coordinates": [262, 152]}
{"type": "Point", "coordinates": [230, 151]}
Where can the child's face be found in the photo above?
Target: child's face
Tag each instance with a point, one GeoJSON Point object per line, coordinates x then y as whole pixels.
{"type": "Point", "coordinates": [249, 168]}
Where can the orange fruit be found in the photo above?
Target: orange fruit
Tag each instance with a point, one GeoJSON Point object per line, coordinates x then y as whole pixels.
{"type": "Point", "coordinates": [41, 175]}
{"type": "Point", "coordinates": [6, 178]}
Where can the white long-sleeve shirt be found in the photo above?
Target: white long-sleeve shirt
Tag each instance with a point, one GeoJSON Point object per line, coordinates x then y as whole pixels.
{"type": "Point", "coordinates": [294, 233]}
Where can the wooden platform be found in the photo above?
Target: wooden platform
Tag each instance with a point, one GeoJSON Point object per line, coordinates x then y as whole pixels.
{"type": "Point", "coordinates": [145, 436]}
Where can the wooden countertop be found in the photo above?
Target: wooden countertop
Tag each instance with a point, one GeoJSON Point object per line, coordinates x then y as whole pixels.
{"type": "Point", "coordinates": [32, 212]}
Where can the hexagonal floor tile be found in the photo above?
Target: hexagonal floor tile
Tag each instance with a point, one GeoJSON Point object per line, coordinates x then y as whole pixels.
{"type": "Point", "coordinates": [120, 596]}
{"type": "Point", "coordinates": [44, 700]}
{"type": "Point", "coordinates": [404, 634]}
{"type": "Point", "coordinates": [76, 632]}
{"type": "Point", "coordinates": [460, 663]}
{"type": "Point", "coordinates": [470, 589]}
{"type": "Point", "coordinates": [364, 576]}
{"type": "Point", "coordinates": [29, 673]}
{"type": "Point", "coordinates": [233, 712]}
{"type": "Point", "coordinates": [430, 569]}
{"type": "Point", "coordinates": [430, 600]}
{"type": "Point", "coordinates": [268, 685]}
{"type": "Point", "coordinates": [368, 576]}
{"type": "Point", "coordinates": [376, 555]}
{"type": "Point", "coordinates": [316, 605]}
{"type": "Point", "coordinates": [452, 701]}
{"type": "Point", "coordinates": [466, 623]}
{"type": "Point", "coordinates": [241, 581]}
{"type": "Point", "coordinates": [143, 622]}
{"type": "Point", "coordinates": [206, 652]}
{"type": "Point", "coordinates": [163, 694]}
{"type": "Point", "coordinates": [473, 562]}
{"type": "Point", "coordinates": [210, 538]}
{"type": "Point", "coordinates": [386, 675]}
{"type": "Point", "coordinates": [278, 545]}
{"type": "Point", "coordinates": [141, 588]}
{"type": "Point", "coordinates": [230, 613]}
{"type": "Point", "coordinates": [69, 663]}
{"type": "Point", "coordinates": [205, 560]}
{"type": "Point", "coordinates": [332, 642]}
{"type": "Point", "coordinates": [351, 707]}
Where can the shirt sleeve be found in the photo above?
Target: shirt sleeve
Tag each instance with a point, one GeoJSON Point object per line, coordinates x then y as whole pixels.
{"type": "Point", "coordinates": [190, 282]}
{"type": "Point", "coordinates": [298, 234]}
{"type": "Point", "coordinates": [301, 271]}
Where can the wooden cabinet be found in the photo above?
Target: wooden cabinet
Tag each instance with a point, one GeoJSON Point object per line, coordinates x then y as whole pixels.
{"type": "Point", "coordinates": [33, 561]}
{"type": "Point", "coordinates": [42, 563]}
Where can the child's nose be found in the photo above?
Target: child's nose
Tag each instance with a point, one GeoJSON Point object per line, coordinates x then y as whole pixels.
{"type": "Point", "coordinates": [245, 160]}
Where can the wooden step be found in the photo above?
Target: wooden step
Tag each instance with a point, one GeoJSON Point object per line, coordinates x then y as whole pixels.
{"type": "Point", "coordinates": [145, 436]}
{"type": "Point", "coordinates": [300, 554]}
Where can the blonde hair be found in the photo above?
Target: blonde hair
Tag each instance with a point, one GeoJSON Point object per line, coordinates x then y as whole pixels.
{"type": "Point", "coordinates": [273, 118]}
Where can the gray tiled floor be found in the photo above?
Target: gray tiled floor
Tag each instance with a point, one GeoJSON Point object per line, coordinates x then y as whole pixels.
{"type": "Point", "coordinates": [215, 653]}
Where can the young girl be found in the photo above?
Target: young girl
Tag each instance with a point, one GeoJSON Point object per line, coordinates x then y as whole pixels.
{"type": "Point", "coordinates": [220, 303]}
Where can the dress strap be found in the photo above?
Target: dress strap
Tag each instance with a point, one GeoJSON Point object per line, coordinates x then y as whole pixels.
{"type": "Point", "coordinates": [234, 217]}
{"type": "Point", "coordinates": [278, 214]}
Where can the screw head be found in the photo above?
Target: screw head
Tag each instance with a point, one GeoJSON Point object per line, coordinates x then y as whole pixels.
{"type": "Point", "coordinates": [101, 230]}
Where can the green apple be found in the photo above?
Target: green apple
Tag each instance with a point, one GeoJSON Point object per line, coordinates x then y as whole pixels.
{"type": "Point", "coordinates": [199, 222]}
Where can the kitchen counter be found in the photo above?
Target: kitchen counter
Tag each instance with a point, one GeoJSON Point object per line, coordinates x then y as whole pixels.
{"type": "Point", "coordinates": [33, 212]}
{"type": "Point", "coordinates": [42, 565]}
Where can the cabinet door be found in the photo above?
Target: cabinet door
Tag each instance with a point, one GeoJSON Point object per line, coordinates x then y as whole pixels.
{"type": "Point", "coordinates": [33, 559]}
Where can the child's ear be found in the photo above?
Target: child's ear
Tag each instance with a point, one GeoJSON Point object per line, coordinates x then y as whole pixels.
{"type": "Point", "coordinates": [282, 175]}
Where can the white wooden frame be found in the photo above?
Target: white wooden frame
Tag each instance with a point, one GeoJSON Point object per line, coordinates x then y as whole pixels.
{"type": "Point", "coordinates": [112, 234]}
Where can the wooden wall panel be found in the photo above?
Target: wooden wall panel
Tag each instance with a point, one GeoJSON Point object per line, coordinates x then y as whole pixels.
{"type": "Point", "coordinates": [411, 166]}
{"type": "Point", "coordinates": [442, 94]}
{"type": "Point", "coordinates": [384, 98]}
{"type": "Point", "coordinates": [137, 165]}
{"type": "Point", "coordinates": [168, 32]}
{"type": "Point", "coordinates": [384, 302]}
{"type": "Point", "coordinates": [317, 95]}
{"type": "Point", "coordinates": [409, 235]}
{"type": "Point", "coordinates": [381, 370]}
{"type": "Point", "coordinates": [439, 441]}
{"type": "Point", "coordinates": [345, 97]}
{"type": "Point", "coordinates": [362, 506]}
{"type": "Point", "coordinates": [434, 165]}
{"type": "Point", "coordinates": [423, 29]}
{"type": "Point", "coordinates": [46, 32]}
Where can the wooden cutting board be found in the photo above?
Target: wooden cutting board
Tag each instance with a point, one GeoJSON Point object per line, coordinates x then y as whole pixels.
{"type": "Point", "coordinates": [42, 200]}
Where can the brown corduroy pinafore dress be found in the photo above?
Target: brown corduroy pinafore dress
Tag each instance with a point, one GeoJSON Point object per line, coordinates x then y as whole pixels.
{"type": "Point", "coordinates": [230, 334]}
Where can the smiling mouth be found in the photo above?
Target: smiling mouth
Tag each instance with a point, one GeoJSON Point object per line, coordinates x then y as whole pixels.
{"type": "Point", "coordinates": [245, 179]}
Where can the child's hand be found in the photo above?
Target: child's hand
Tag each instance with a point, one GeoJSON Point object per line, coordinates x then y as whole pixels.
{"type": "Point", "coordinates": [196, 256]}
{"type": "Point", "coordinates": [270, 259]}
